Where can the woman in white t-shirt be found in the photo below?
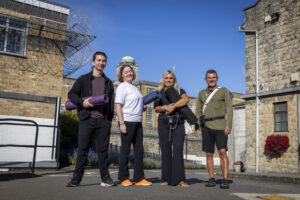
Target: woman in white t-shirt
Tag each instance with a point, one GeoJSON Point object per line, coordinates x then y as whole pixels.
{"type": "Point", "coordinates": [129, 107]}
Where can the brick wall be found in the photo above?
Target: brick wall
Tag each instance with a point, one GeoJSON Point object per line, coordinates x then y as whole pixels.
{"type": "Point", "coordinates": [39, 73]}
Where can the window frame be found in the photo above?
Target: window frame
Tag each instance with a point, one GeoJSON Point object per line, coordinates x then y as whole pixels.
{"type": "Point", "coordinates": [280, 112]}
{"type": "Point", "coordinates": [24, 37]}
{"type": "Point", "coordinates": [150, 108]}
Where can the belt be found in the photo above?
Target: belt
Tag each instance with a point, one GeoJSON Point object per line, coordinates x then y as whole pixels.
{"type": "Point", "coordinates": [214, 118]}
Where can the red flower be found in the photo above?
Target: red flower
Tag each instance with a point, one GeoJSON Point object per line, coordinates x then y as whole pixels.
{"type": "Point", "coordinates": [276, 145]}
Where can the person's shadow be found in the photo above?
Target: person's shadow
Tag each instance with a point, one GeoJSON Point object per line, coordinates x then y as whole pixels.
{"type": "Point", "coordinates": [219, 181]}
{"type": "Point", "coordinates": [192, 181]}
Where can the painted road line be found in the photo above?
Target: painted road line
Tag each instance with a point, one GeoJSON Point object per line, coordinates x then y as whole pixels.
{"type": "Point", "coordinates": [270, 196]}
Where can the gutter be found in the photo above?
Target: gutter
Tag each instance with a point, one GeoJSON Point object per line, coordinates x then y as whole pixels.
{"type": "Point", "coordinates": [242, 29]}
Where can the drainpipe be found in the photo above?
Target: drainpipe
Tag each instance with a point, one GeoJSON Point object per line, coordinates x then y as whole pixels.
{"type": "Point", "coordinates": [242, 29]}
{"type": "Point", "coordinates": [298, 126]}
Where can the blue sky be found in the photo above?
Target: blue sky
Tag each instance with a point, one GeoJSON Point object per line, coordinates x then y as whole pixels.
{"type": "Point", "coordinates": [192, 35]}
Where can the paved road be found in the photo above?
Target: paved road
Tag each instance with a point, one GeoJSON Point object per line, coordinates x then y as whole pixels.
{"type": "Point", "coordinates": [51, 185]}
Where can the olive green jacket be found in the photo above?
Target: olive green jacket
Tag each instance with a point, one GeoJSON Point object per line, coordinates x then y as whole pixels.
{"type": "Point", "coordinates": [219, 105]}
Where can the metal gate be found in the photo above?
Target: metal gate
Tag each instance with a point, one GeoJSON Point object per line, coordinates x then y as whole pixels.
{"type": "Point", "coordinates": [8, 125]}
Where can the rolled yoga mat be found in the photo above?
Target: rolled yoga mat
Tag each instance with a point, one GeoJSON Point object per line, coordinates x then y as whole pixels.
{"type": "Point", "coordinates": [173, 96]}
{"type": "Point", "coordinates": [95, 100]}
{"type": "Point", "coordinates": [151, 97]}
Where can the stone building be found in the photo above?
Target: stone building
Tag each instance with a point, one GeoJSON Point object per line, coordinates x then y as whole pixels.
{"type": "Point", "coordinates": [276, 24]}
{"type": "Point", "coordinates": [32, 34]}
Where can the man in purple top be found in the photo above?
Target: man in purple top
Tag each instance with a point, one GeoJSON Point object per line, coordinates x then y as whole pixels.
{"type": "Point", "coordinates": [93, 119]}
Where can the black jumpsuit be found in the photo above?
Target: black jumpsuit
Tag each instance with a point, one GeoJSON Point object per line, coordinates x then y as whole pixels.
{"type": "Point", "coordinates": [171, 143]}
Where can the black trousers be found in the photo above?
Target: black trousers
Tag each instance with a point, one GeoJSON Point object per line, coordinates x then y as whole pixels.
{"type": "Point", "coordinates": [101, 129]}
{"type": "Point", "coordinates": [172, 170]}
{"type": "Point", "coordinates": [134, 135]}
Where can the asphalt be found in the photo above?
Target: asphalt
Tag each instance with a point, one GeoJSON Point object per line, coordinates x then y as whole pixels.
{"type": "Point", "coordinates": [273, 177]}
{"type": "Point", "coordinates": [49, 184]}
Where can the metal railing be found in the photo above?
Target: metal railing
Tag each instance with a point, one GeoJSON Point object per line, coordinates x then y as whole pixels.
{"type": "Point", "coordinates": [18, 122]}
{"type": "Point", "coordinates": [154, 156]}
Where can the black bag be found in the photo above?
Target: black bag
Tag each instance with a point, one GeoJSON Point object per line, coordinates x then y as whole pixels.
{"type": "Point", "coordinates": [173, 96]}
{"type": "Point", "coordinates": [202, 120]}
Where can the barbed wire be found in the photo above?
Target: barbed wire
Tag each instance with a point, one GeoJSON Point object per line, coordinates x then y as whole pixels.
{"type": "Point", "coordinates": [48, 47]}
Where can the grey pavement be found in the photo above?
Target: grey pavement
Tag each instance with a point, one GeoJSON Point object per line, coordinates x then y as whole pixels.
{"type": "Point", "coordinates": [274, 177]}
{"type": "Point", "coordinates": [50, 184]}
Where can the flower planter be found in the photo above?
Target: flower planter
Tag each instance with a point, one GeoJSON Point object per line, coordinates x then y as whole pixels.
{"type": "Point", "coordinates": [276, 145]}
{"type": "Point", "coordinates": [237, 168]}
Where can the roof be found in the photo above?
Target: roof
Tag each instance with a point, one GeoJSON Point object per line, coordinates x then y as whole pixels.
{"type": "Point", "coordinates": [149, 83]}
{"type": "Point", "coordinates": [47, 5]}
{"type": "Point", "coordinates": [252, 5]}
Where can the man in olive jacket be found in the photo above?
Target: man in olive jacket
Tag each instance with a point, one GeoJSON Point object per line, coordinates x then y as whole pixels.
{"type": "Point", "coordinates": [216, 123]}
{"type": "Point", "coordinates": [93, 119]}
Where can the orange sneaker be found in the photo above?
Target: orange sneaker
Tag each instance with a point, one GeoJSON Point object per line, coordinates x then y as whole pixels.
{"type": "Point", "coordinates": [143, 182]}
{"type": "Point", "coordinates": [126, 183]}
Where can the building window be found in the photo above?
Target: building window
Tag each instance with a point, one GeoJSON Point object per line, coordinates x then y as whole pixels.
{"type": "Point", "coordinates": [13, 36]}
{"type": "Point", "coordinates": [280, 116]}
{"type": "Point", "coordinates": [150, 111]}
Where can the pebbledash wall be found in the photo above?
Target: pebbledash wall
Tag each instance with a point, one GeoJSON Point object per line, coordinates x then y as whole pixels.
{"type": "Point", "coordinates": [31, 75]}
{"type": "Point", "coordinates": [277, 24]}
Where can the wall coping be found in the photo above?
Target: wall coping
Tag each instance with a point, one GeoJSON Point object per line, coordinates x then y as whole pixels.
{"type": "Point", "coordinates": [272, 92]}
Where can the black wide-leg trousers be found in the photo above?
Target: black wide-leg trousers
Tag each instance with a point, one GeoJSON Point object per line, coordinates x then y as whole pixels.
{"type": "Point", "coordinates": [172, 170]}
{"type": "Point", "coordinates": [134, 135]}
{"type": "Point", "coordinates": [101, 129]}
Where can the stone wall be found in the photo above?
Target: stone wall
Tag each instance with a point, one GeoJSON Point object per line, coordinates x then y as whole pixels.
{"type": "Point", "coordinates": [278, 55]}
{"type": "Point", "coordinates": [151, 142]}
{"type": "Point", "coordinates": [278, 44]}
{"type": "Point", "coordinates": [288, 162]}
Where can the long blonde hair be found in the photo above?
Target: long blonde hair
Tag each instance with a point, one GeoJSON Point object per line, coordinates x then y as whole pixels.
{"type": "Point", "coordinates": [161, 83]}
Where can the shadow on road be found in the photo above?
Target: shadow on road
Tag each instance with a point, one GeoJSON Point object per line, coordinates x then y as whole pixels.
{"type": "Point", "coordinates": [219, 181]}
{"type": "Point", "coordinates": [14, 176]}
{"type": "Point", "coordinates": [25, 174]}
{"type": "Point", "coordinates": [192, 181]}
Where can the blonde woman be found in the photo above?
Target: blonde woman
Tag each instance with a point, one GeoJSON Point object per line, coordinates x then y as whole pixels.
{"type": "Point", "coordinates": [129, 107]}
{"type": "Point", "coordinates": [171, 132]}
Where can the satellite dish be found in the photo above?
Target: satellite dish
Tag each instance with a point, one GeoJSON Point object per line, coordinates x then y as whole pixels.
{"type": "Point", "coordinates": [78, 49]}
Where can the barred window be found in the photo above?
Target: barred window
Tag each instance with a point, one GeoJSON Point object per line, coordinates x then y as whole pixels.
{"type": "Point", "coordinates": [13, 36]}
{"type": "Point", "coordinates": [150, 111]}
{"type": "Point", "coordinates": [280, 116]}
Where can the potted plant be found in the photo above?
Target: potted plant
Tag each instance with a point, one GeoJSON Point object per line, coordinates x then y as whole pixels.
{"type": "Point", "coordinates": [238, 165]}
{"type": "Point", "coordinates": [276, 145]}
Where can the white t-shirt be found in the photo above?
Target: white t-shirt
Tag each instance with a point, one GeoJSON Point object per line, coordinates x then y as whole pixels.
{"type": "Point", "coordinates": [131, 100]}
